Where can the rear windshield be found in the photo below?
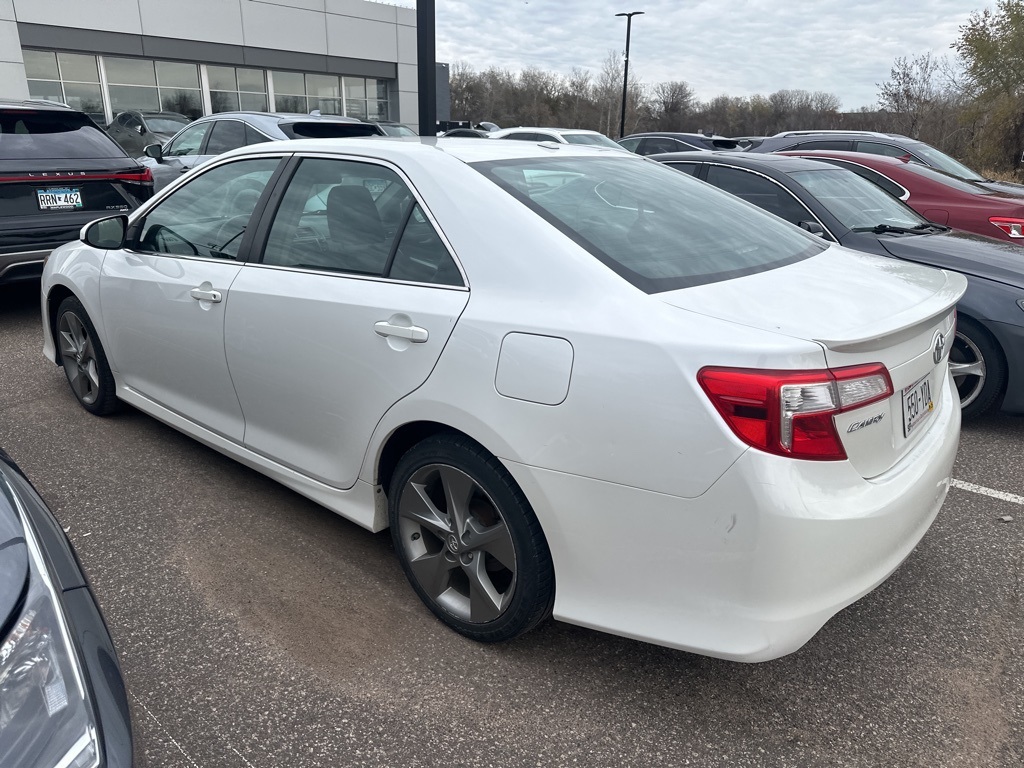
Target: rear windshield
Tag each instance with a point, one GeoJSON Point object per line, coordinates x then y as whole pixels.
{"type": "Point", "coordinates": [944, 162]}
{"type": "Point", "coordinates": [590, 139]}
{"type": "Point", "coordinates": [657, 228]}
{"type": "Point", "coordinates": [322, 130]}
{"type": "Point", "coordinates": [53, 135]}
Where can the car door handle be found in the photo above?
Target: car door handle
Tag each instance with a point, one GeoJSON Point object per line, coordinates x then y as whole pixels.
{"type": "Point", "coordinates": [411, 332]}
{"type": "Point", "coordinates": [200, 295]}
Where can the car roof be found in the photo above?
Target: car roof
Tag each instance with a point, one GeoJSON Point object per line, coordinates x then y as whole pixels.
{"type": "Point", "coordinates": [544, 128]}
{"type": "Point", "coordinates": [41, 104]}
{"type": "Point", "coordinates": [685, 134]}
{"type": "Point", "coordinates": [465, 149]}
{"type": "Point", "coordinates": [781, 163]}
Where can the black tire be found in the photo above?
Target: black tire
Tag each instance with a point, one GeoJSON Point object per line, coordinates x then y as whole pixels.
{"type": "Point", "coordinates": [978, 367]}
{"type": "Point", "coordinates": [492, 581]}
{"type": "Point", "coordinates": [83, 358]}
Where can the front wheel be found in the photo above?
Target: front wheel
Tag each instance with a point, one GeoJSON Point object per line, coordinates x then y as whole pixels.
{"type": "Point", "coordinates": [978, 367]}
{"type": "Point", "coordinates": [85, 363]}
{"type": "Point", "coordinates": [468, 541]}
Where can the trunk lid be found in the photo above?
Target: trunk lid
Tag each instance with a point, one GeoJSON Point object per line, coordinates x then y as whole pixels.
{"type": "Point", "coordinates": [860, 309]}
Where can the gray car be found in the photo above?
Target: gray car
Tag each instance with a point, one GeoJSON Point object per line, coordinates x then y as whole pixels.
{"type": "Point", "coordinates": [210, 136]}
{"type": "Point", "coordinates": [135, 130]}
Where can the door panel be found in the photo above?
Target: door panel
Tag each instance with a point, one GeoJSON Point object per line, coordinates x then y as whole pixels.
{"type": "Point", "coordinates": [312, 371]}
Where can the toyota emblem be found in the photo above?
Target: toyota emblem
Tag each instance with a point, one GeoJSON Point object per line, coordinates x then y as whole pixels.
{"type": "Point", "coordinates": [938, 347]}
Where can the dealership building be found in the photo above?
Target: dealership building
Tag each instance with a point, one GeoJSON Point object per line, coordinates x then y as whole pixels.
{"type": "Point", "coordinates": [196, 57]}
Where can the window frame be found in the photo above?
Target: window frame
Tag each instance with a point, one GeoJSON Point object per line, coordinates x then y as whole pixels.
{"type": "Point", "coordinates": [271, 205]}
{"type": "Point", "coordinates": [246, 246]}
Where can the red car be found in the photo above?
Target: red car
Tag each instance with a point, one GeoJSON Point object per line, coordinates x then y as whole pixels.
{"type": "Point", "coordinates": [937, 196]}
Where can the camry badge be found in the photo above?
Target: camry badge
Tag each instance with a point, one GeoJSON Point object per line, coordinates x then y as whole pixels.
{"type": "Point", "coordinates": [938, 347]}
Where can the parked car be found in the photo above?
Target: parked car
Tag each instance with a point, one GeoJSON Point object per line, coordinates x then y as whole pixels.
{"type": "Point", "coordinates": [511, 353]}
{"type": "Point", "coordinates": [134, 130]}
{"type": "Point", "coordinates": [58, 171]}
{"type": "Point", "coordinates": [658, 142]}
{"type": "Point", "coordinates": [885, 144]}
{"type": "Point", "coordinates": [557, 135]}
{"type": "Point", "coordinates": [465, 133]}
{"type": "Point", "coordinates": [209, 136]}
{"type": "Point", "coordinates": [938, 196]}
{"type": "Point", "coordinates": [987, 359]}
{"type": "Point", "coordinates": [62, 696]}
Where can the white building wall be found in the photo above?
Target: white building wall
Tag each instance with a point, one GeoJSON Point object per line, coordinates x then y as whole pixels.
{"type": "Point", "coordinates": [353, 29]}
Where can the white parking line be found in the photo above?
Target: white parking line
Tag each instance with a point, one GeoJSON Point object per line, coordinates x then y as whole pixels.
{"type": "Point", "coordinates": [1001, 495]}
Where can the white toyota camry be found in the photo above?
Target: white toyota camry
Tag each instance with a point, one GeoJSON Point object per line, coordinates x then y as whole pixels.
{"type": "Point", "coordinates": [572, 381]}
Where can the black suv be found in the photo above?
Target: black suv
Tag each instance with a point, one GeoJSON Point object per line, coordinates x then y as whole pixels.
{"type": "Point", "coordinates": [658, 142]}
{"type": "Point", "coordinates": [58, 171]}
{"type": "Point", "coordinates": [888, 144]}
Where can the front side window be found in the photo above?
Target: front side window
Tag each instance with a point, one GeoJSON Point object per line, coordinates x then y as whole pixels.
{"type": "Point", "coordinates": [188, 141]}
{"type": "Point", "coordinates": [356, 218]}
{"type": "Point", "coordinates": [656, 228]}
{"type": "Point", "coordinates": [208, 216]}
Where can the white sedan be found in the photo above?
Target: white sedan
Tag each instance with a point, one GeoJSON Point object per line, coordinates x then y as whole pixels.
{"type": "Point", "coordinates": [572, 381]}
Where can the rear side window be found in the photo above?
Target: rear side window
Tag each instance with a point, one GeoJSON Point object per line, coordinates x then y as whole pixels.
{"type": "Point", "coordinates": [874, 177]}
{"type": "Point", "coordinates": [659, 144]}
{"type": "Point", "coordinates": [53, 135]}
{"type": "Point", "coordinates": [888, 150]}
{"type": "Point", "coordinates": [764, 193]}
{"type": "Point", "coordinates": [656, 228]}
{"type": "Point", "coordinates": [225, 135]}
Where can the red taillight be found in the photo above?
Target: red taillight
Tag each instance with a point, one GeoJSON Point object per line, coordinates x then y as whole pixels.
{"type": "Point", "coordinates": [789, 413]}
{"type": "Point", "coordinates": [1011, 227]}
{"type": "Point", "coordinates": [141, 176]}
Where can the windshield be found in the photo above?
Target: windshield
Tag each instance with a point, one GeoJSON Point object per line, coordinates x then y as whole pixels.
{"type": "Point", "coordinates": [944, 162]}
{"type": "Point", "coordinates": [590, 140]}
{"type": "Point", "coordinates": [54, 136]}
{"type": "Point", "coordinates": [165, 124]}
{"type": "Point", "coordinates": [655, 227]}
{"type": "Point", "coordinates": [855, 201]}
{"type": "Point", "coordinates": [397, 129]}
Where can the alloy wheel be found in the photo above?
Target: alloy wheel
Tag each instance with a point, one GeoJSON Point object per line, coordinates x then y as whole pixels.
{"type": "Point", "coordinates": [459, 547]}
{"type": "Point", "coordinates": [967, 364]}
{"type": "Point", "coordinates": [79, 358]}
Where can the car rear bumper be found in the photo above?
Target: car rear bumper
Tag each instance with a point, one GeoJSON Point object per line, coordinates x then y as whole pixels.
{"type": "Point", "coordinates": [749, 570]}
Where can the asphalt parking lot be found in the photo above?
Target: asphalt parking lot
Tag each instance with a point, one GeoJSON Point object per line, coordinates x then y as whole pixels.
{"type": "Point", "coordinates": [257, 629]}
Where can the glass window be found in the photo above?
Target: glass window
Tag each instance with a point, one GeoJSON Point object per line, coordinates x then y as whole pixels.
{"type": "Point", "coordinates": [356, 109]}
{"type": "Point", "coordinates": [290, 83]}
{"type": "Point", "coordinates": [222, 78]}
{"type": "Point", "coordinates": [690, 168]}
{"type": "Point", "coordinates": [381, 88]}
{"type": "Point", "coordinates": [340, 216]}
{"type": "Point", "coordinates": [322, 86]}
{"type": "Point", "coordinates": [656, 228]}
{"type": "Point", "coordinates": [253, 102]}
{"type": "Point", "coordinates": [421, 256]}
{"type": "Point", "coordinates": [251, 80]}
{"type": "Point", "coordinates": [854, 201]}
{"type": "Point", "coordinates": [630, 144]}
{"type": "Point", "coordinates": [290, 104]}
{"type": "Point", "coordinates": [944, 162]}
{"type": "Point", "coordinates": [355, 88]}
{"type": "Point", "coordinates": [834, 146]}
{"type": "Point", "coordinates": [184, 102]}
{"type": "Point", "coordinates": [75, 66]}
{"type": "Point", "coordinates": [129, 71]}
{"type": "Point", "coordinates": [41, 65]}
{"type": "Point", "coordinates": [764, 193]}
{"type": "Point", "coordinates": [166, 125]}
{"type": "Point", "coordinates": [875, 148]}
{"type": "Point", "coordinates": [252, 136]}
{"type": "Point", "coordinates": [225, 135]}
{"type": "Point", "coordinates": [207, 216]}
{"type": "Point", "coordinates": [224, 101]}
{"type": "Point", "coordinates": [138, 97]}
{"type": "Point", "coordinates": [188, 141]}
{"type": "Point", "coordinates": [589, 139]}
{"type": "Point", "coordinates": [172, 74]}
{"type": "Point", "coordinates": [45, 89]}
{"type": "Point", "coordinates": [53, 135]}
{"type": "Point", "coordinates": [85, 97]}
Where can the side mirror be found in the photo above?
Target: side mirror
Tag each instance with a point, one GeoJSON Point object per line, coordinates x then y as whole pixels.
{"type": "Point", "coordinates": [813, 227]}
{"type": "Point", "coordinates": [141, 129]}
{"type": "Point", "coordinates": [107, 234]}
{"type": "Point", "coordinates": [155, 151]}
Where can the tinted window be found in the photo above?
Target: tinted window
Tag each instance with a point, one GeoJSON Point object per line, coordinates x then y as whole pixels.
{"type": "Point", "coordinates": [421, 256]}
{"type": "Point", "coordinates": [252, 136]}
{"type": "Point", "coordinates": [526, 137]}
{"type": "Point", "coordinates": [875, 148]}
{"type": "Point", "coordinates": [834, 146]}
{"type": "Point", "coordinates": [225, 135]}
{"type": "Point", "coordinates": [56, 135]}
{"type": "Point", "coordinates": [655, 227]}
{"type": "Point", "coordinates": [855, 202]}
{"type": "Point", "coordinates": [630, 144]}
{"type": "Point", "coordinates": [658, 144]}
{"type": "Point", "coordinates": [764, 193]}
{"type": "Point", "coordinates": [165, 124]}
{"type": "Point", "coordinates": [188, 141]}
{"type": "Point", "coordinates": [207, 216]}
{"type": "Point", "coordinates": [690, 168]}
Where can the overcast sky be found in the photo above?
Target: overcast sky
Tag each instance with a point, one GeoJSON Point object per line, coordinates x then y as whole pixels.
{"type": "Point", "coordinates": [733, 47]}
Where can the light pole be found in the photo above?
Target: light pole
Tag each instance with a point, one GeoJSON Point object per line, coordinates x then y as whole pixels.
{"type": "Point", "coordinates": [625, 73]}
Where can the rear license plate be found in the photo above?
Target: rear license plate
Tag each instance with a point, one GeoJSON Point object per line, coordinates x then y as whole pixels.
{"type": "Point", "coordinates": [59, 199]}
{"type": "Point", "coordinates": [917, 404]}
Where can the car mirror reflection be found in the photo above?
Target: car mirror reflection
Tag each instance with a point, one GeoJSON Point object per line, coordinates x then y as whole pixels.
{"type": "Point", "coordinates": [107, 234]}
